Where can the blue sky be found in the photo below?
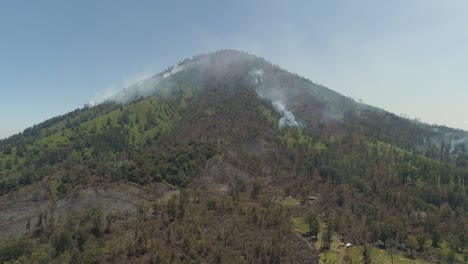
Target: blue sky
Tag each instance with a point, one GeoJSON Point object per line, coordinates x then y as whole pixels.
{"type": "Point", "coordinates": [406, 56]}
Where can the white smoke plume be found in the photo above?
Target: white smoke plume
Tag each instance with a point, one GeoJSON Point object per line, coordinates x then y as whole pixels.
{"type": "Point", "coordinates": [175, 70]}
{"type": "Point", "coordinates": [288, 118]}
{"type": "Point", "coordinates": [258, 76]}
{"type": "Point", "coordinates": [276, 96]}
{"type": "Point", "coordinates": [118, 94]}
{"type": "Point", "coordinates": [456, 142]}
{"type": "Point", "coordinates": [267, 81]}
{"type": "Point", "coordinates": [142, 85]}
{"type": "Point", "coordinates": [103, 96]}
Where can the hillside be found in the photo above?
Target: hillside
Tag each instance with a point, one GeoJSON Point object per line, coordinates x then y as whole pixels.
{"type": "Point", "coordinates": [227, 158]}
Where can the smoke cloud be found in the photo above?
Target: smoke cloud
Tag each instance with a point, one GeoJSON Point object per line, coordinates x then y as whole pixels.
{"type": "Point", "coordinates": [457, 142]}
{"type": "Point", "coordinates": [134, 87]}
{"type": "Point", "coordinates": [288, 118]}
{"type": "Point", "coordinates": [214, 67]}
{"type": "Point", "coordinates": [276, 95]}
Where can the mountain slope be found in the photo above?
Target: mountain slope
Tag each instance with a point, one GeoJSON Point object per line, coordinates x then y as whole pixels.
{"type": "Point", "coordinates": [311, 103]}
{"type": "Point", "coordinates": [220, 145]}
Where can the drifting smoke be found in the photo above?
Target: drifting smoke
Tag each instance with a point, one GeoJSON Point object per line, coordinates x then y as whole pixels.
{"type": "Point", "coordinates": [175, 70]}
{"type": "Point", "coordinates": [147, 87]}
{"type": "Point", "coordinates": [276, 96]}
{"type": "Point", "coordinates": [143, 86]}
{"type": "Point", "coordinates": [103, 96]}
{"type": "Point", "coordinates": [258, 76]}
{"type": "Point", "coordinates": [218, 66]}
{"type": "Point", "coordinates": [456, 142]}
{"type": "Point", "coordinates": [134, 88]}
{"type": "Point", "coordinates": [288, 118]}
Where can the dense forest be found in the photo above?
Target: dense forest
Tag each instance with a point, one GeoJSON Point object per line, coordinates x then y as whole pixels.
{"type": "Point", "coordinates": [222, 180]}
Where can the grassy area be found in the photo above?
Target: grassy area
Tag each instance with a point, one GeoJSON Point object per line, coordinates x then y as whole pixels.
{"type": "Point", "coordinates": [381, 256]}
{"type": "Point", "coordinates": [378, 256]}
{"type": "Point", "coordinates": [300, 225]}
{"type": "Point", "coordinates": [289, 201]}
{"type": "Point", "coordinates": [354, 255]}
{"type": "Point", "coordinates": [137, 113]}
{"type": "Point", "coordinates": [333, 255]}
{"type": "Point", "coordinates": [445, 249]}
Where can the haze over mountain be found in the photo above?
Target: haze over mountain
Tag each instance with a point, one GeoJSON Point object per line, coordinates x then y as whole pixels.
{"type": "Point", "coordinates": [405, 56]}
{"type": "Point", "coordinates": [270, 83]}
{"type": "Point", "coordinates": [228, 158]}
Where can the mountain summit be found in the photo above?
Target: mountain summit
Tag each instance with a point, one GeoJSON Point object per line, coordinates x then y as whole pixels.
{"type": "Point", "coordinates": [299, 101]}
{"type": "Point", "coordinates": [227, 158]}
{"type": "Point", "coordinates": [230, 66]}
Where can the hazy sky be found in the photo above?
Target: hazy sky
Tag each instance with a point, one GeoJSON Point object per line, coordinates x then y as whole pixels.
{"type": "Point", "coordinates": [405, 56]}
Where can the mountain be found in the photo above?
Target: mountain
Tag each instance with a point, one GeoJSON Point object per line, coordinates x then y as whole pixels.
{"type": "Point", "coordinates": [195, 164]}
{"type": "Point", "coordinates": [296, 97]}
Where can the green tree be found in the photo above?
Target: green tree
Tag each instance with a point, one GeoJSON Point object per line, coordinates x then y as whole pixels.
{"type": "Point", "coordinates": [412, 244]}
{"type": "Point", "coordinates": [313, 223]}
{"type": "Point", "coordinates": [42, 255]}
{"type": "Point", "coordinates": [219, 255]}
{"type": "Point", "coordinates": [62, 240]}
{"type": "Point", "coordinates": [110, 218]}
{"type": "Point", "coordinates": [172, 207]}
{"type": "Point", "coordinates": [421, 239]}
{"type": "Point", "coordinates": [435, 238]}
{"type": "Point", "coordinates": [256, 187]}
{"type": "Point", "coordinates": [366, 255]}
{"type": "Point", "coordinates": [96, 216]}
{"type": "Point", "coordinates": [14, 248]}
{"type": "Point", "coordinates": [450, 258]}
{"type": "Point", "coordinates": [187, 245]}
{"type": "Point", "coordinates": [327, 238]}
{"type": "Point", "coordinates": [183, 201]}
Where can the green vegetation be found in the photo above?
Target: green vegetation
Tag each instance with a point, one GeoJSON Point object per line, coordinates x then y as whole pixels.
{"type": "Point", "coordinates": [183, 229]}
{"type": "Point", "coordinates": [378, 256]}
{"type": "Point", "coordinates": [289, 201]}
{"type": "Point", "coordinates": [398, 186]}
{"type": "Point", "coordinates": [106, 137]}
{"type": "Point", "coordinates": [300, 225]}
